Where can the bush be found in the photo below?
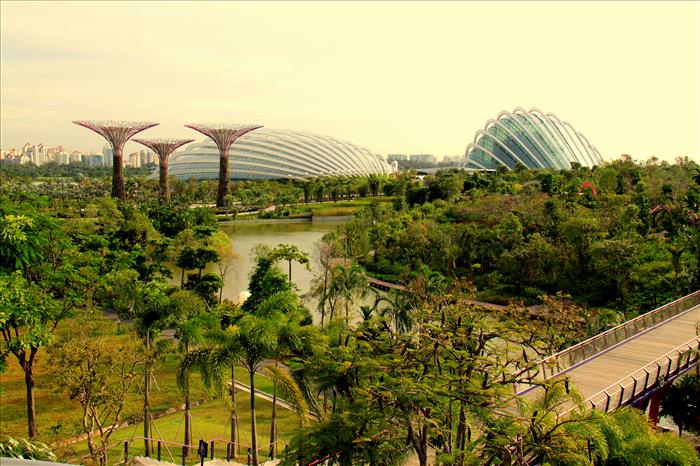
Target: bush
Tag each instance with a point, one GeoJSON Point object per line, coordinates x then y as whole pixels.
{"type": "Point", "coordinates": [26, 449]}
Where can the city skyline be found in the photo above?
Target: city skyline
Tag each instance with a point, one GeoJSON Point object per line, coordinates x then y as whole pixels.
{"type": "Point", "coordinates": [398, 78]}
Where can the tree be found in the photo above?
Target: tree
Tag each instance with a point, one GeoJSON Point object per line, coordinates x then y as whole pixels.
{"type": "Point", "coordinates": [530, 263]}
{"type": "Point", "coordinates": [631, 440]}
{"type": "Point", "coordinates": [22, 244]}
{"type": "Point", "coordinates": [195, 259]}
{"type": "Point", "coordinates": [152, 312]}
{"type": "Point", "coordinates": [99, 374]}
{"type": "Point", "coordinates": [191, 320]}
{"type": "Point", "coordinates": [265, 280]}
{"type": "Point", "coordinates": [252, 340]}
{"type": "Point", "coordinates": [374, 184]}
{"type": "Point", "coordinates": [348, 283]}
{"type": "Point", "coordinates": [220, 242]}
{"type": "Point", "coordinates": [289, 252]}
{"type": "Point", "coordinates": [682, 403]}
{"type": "Point", "coordinates": [28, 318]}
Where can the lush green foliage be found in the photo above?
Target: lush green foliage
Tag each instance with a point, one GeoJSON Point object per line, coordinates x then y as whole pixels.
{"type": "Point", "coordinates": [24, 449]}
{"type": "Point", "coordinates": [518, 235]}
{"type": "Point", "coordinates": [383, 376]}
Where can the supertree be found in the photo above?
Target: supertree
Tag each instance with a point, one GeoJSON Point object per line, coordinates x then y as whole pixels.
{"type": "Point", "coordinates": [223, 135]}
{"type": "Point", "coordinates": [163, 149]}
{"type": "Point", "coordinates": [116, 133]}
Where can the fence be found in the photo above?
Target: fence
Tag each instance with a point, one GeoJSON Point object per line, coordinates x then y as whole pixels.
{"type": "Point", "coordinates": [565, 359]}
{"type": "Point", "coordinates": [649, 377]}
{"type": "Point", "coordinates": [182, 454]}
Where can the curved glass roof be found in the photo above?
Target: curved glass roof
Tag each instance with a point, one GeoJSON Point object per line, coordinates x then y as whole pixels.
{"type": "Point", "coordinates": [273, 154]}
{"type": "Point", "coordinates": [532, 138]}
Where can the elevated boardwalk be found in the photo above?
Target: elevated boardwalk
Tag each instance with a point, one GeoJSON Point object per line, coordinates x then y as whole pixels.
{"type": "Point", "coordinates": [629, 363]}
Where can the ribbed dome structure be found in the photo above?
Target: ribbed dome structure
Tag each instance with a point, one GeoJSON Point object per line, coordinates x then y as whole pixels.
{"type": "Point", "coordinates": [532, 138]}
{"type": "Point", "coordinates": [273, 154]}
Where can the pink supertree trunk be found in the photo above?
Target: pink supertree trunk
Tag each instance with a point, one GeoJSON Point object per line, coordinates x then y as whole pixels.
{"type": "Point", "coordinates": [224, 181]}
{"type": "Point", "coordinates": [163, 178]}
{"type": "Point", "coordinates": [118, 175]}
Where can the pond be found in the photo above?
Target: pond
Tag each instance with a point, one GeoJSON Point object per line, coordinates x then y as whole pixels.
{"type": "Point", "coordinates": [244, 237]}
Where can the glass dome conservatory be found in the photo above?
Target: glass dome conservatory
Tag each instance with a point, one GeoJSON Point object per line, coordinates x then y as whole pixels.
{"type": "Point", "coordinates": [531, 138]}
{"type": "Point", "coordinates": [274, 154]}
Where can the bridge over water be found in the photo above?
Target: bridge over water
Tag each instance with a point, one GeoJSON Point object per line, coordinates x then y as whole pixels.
{"type": "Point", "coordinates": [632, 363]}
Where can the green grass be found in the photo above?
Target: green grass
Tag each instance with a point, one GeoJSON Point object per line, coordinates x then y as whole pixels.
{"type": "Point", "coordinates": [334, 211]}
{"type": "Point", "coordinates": [209, 421]}
{"type": "Point", "coordinates": [58, 417]}
{"type": "Point", "coordinates": [325, 209]}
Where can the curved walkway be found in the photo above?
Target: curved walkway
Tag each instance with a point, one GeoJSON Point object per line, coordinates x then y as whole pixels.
{"type": "Point", "coordinates": [622, 361]}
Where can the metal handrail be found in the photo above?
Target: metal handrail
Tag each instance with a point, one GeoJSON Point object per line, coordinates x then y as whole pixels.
{"type": "Point", "coordinates": [627, 389]}
{"type": "Point", "coordinates": [572, 355]}
{"type": "Point", "coordinates": [232, 448]}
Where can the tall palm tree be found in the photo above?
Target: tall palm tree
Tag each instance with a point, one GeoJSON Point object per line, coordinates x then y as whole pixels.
{"type": "Point", "coordinates": [191, 321]}
{"type": "Point", "coordinates": [253, 340]}
{"type": "Point", "coordinates": [152, 312]}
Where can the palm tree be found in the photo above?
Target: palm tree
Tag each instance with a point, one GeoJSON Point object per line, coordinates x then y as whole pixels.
{"type": "Point", "coordinates": [631, 439]}
{"type": "Point", "coordinates": [348, 283]}
{"type": "Point", "coordinates": [151, 314]}
{"type": "Point", "coordinates": [559, 439]}
{"type": "Point", "coordinates": [252, 340]}
{"type": "Point", "coordinates": [191, 321]}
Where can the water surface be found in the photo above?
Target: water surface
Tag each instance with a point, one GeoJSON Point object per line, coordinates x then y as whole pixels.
{"type": "Point", "coordinates": [244, 237]}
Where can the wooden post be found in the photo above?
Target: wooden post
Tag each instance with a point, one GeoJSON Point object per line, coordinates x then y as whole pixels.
{"type": "Point", "coordinates": [228, 452]}
{"type": "Point", "coordinates": [646, 379]}
{"type": "Point", "coordinates": [622, 393]}
{"type": "Point", "coordinates": [158, 450]}
{"type": "Point", "coordinates": [126, 452]}
{"type": "Point", "coordinates": [184, 454]}
{"type": "Point", "coordinates": [211, 453]}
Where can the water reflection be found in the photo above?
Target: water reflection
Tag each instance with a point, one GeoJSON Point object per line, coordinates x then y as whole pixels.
{"type": "Point", "coordinates": [245, 237]}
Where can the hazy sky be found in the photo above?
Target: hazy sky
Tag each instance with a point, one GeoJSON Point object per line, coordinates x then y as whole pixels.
{"type": "Point", "coordinates": [397, 77]}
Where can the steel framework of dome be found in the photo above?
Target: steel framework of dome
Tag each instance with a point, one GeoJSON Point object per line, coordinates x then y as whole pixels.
{"type": "Point", "coordinates": [532, 138]}
{"type": "Point", "coordinates": [274, 154]}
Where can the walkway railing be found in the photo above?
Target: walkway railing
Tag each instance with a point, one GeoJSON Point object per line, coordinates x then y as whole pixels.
{"type": "Point", "coordinates": [179, 453]}
{"type": "Point", "coordinates": [648, 378]}
{"type": "Point", "coordinates": [565, 359]}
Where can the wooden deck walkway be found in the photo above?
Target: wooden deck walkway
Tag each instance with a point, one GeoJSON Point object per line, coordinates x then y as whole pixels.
{"type": "Point", "coordinates": [611, 365]}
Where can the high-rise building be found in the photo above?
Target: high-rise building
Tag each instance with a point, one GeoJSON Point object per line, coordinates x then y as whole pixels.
{"type": "Point", "coordinates": [396, 157]}
{"type": "Point", "coordinates": [423, 158]}
{"type": "Point", "coordinates": [134, 160]}
{"type": "Point", "coordinates": [107, 155]}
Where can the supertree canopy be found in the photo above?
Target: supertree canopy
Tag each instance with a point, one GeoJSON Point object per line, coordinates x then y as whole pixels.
{"type": "Point", "coordinates": [223, 135]}
{"type": "Point", "coordinates": [116, 133]}
{"type": "Point", "coordinates": [163, 148]}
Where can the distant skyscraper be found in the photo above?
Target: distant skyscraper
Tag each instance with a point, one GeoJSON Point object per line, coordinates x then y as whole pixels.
{"type": "Point", "coordinates": [134, 160]}
{"type": "Point", "coordinates": [107, 154]}
{"type": "Point", "coordinates": [396, 157]}
{"type": "Point", "coordinates": [424, 158]}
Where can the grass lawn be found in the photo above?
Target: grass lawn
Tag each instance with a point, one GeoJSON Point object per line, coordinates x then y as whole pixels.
{"type": "Point", "coordinates": [209, 421]}
{"type": "Point", "coordinates": [327, 208]}
{"type": "Point", "coordinates": [58, 417]}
